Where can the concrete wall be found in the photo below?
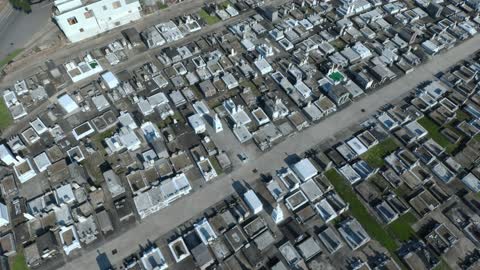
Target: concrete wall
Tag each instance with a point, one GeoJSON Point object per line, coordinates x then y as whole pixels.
{"type": "Point", "coordinates": [90, 20]}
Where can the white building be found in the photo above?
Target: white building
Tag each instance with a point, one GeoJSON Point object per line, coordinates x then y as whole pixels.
{"type": "Point", "coordinates": [42, 162]}
{"type": "Point", "coordinates": [24, 170]}
{"type": "Point", "coordinates": [65, 194]}
{"type": "Point", "coordinates": [325, 210]}
{"type": "Point", "coordinates": [207, 169]}
{"type": "Point", "coordinates": [38, 126]}
{"type": "Point", "coordinates": [472, 182]}
{"type": "Point", "coordinates": [277, 214]}
{"type": "Point", "coordinates": [217, 124]}
{"type": "Point", "coordinates": [83, 19]}
{"type": "Point", "coordinates": [236, 113]}
{"type": "Point", "coordinates": [197, 123]}
{"type": "Point", "coordinates": [474, 4]}
{"type": "Point", "coordinates": [4, 219]}
{"type": "Point", "coordinates": [81, 70]}
{"type": "Point", "coordinates": [153, 259]}
{"type": "Point", "coordinates": [252, 200]}
{"type": "Point", "coordinates": [83, 131]}
{"type": "Point", "coordinates": [150, 132]}
{"type": "Point", "coordinates": [179, 249]}
{"type": "Point", "coordinates": [110, 80]}
{"type": "Point", "coordinates": [126, 120]}
{"type": "Point", "coordinates": [125, 138]}
{"type": "Point", "coordinates": [6, 155]}
{"type": "Point", "coordinates": [304, 169]}
{"type": "Point", "coordinates": [205, 231]}
{"type": "Point", "coordinates": [70, 239]}
{"type": "Point", "coordinates": [67, 103]}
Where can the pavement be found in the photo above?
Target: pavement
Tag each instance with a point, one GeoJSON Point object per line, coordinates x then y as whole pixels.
{"type": "Point", "coordinates": [213, 192]}
{"type": "Point", "coordinates": [17, 28]}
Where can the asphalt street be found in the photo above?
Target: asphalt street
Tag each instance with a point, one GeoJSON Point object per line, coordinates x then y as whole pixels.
{"type": "Point", "coordinates": [194, 204]}
{"type": "Point", "coordinates": [17, 28]}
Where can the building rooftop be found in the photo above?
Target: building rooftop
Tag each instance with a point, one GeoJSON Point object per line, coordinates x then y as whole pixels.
{"type": "Point", "coordinates": [305, 169]}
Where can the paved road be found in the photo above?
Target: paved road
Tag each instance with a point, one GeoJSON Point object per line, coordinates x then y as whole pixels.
{"type": "Point", "coordinates": [190, 206]}
{"type": "Point", "coordinates": [17, 29]}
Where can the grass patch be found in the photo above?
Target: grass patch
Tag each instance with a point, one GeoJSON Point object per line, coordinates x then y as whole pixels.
{"type": "Point", "coordinates": [374, 156]}
{"type": "Point", "coordinates": [92, 165]}
{"type": "Point", "coordinates": [19, 263]}
{"type": "Point", "coordinates": [224, 4]}
{"type": "Point", "coordinates": [369, 223]}
{"type": "Point", "coordinates": [102, 136]}
{"type": "Point", "coordinates": [442, 266]}
{"type": "Point", "coordinates": [161, 5]}
{"type": "Point", "coordinates": [218, 100]}
{"type": "Point", "coordinates": [164, 123]}
{"type": "Point", "coordinates": [214, 102]}
{"type": "Point", "coordinates": [338, 44]}
{"type": "Point", "coordinates": [252, 86]}
{"type": "Point", "coordinates": [178, 116]}
{"type": "Point", "coordinates": [434, 131]}
{"type": "Point", "coordinates": [401, 228]}
{"type": "Point", "coordinates": [462, 116]}
{"type": "Point", "coordinates": [216, 165]}
{"type": "Point", "coordinates": [196, 92]}
{"type": "Point", "coordinates": [170, 120]}
{"type": "Point", "coordinates": [207, 18]}
{"type": "Point", "coordinates": [9, 58]}
{"type": "Point", "coordinates": [379, 182]}
{"type": "Point", "coordinates": [476, 137]}
{"type": "Point", "coordinates": [5, 118]}
{"type": "Point", "coordinates": [402, 191]}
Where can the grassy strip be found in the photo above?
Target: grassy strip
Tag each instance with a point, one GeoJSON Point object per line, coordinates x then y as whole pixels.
{"type": "Point", "coordinates": [5, 117]}
{"type": "Point", "coordinates": [401, 228]}
{"type": "Point", "coordinates": [251, 85]}
{"type": "Point", "coordinates": [369, 223]}
{"type": "Point", "coordinates": [178, 116]}
{"type": "Point", "coordinates": [402, 191]}
{"type": "Point", "coordinates": [19, 263]}
{"type": "Point", "coordinates": [208, 19]}
{"type": "Point", "coordinates": [476, 138]}
{"type": "Point", "coordinates": [9, 58]}
{"type": "Point", "coordinates": [338, 44]}
{"type": "Point", "coordinates": [462, 116]}
{"type": "Point", "coordinates": [164, 123]}
{"type": "Point", "coordinates": [442, 266]}
{"type": "Point", "coordinates": [224, 4]}
{"type": "Point", "coordinates": [374, 156]}
{"type": "Point", "coordinates": [161, 5]}
{"type": "Point", "coordinates": [434, 131]}
{"type": "Point", "coordinates": [216, 165]}
{"type": "Point", "coordinates": [102, 136]}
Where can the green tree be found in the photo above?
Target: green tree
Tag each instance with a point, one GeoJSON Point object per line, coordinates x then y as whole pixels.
{"type": "Point", "coordinates": [23, 5]}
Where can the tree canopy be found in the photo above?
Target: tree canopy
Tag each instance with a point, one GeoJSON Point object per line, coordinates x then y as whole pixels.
{"type": "Point", "coordinates": [23, 5]}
